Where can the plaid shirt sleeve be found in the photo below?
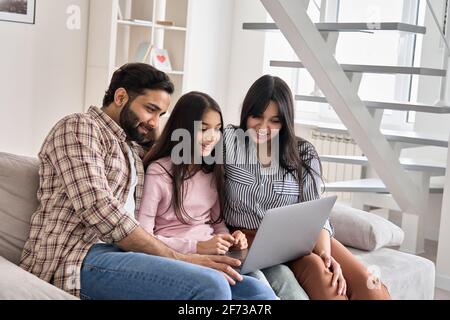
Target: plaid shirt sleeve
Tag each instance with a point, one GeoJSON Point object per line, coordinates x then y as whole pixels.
{"type": "Point", "coordinates": [78, 157]}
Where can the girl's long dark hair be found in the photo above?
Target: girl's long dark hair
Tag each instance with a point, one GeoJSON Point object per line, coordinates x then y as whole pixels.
{"type": "Point", "coordinates": [293, 156]}
{"type": "Point", "coordinates": [190, 108]}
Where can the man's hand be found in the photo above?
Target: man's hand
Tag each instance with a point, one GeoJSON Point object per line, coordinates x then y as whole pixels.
{"type": "Point", "coordinates": [240, 240]}
{"type": "Point", "coordinates": [141, 241]}
{"type": "Point", "coordinates": [222, 264]}
{"type": "Point", "coordinates": [218, 244]}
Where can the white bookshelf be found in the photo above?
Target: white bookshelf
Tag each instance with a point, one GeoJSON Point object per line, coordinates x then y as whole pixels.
{"type": "Point", "coordinates": [117, 29]}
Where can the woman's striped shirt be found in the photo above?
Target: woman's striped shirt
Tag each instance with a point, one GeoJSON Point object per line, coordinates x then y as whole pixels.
{"type": "Point", "coordinates": [251, 189]}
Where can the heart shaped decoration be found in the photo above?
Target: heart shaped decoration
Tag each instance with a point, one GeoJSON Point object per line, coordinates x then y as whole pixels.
{"type": "Point", "coordinates": [161, 58]}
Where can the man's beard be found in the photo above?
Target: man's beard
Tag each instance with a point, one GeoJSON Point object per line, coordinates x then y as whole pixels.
{"type": "Point", "coordinates": [129, 122]}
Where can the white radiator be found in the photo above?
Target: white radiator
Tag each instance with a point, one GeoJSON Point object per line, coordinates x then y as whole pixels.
{"type": "Point", "coordinates": [337, 144]}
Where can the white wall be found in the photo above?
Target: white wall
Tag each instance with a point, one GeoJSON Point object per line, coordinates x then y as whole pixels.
{"type": "Point", "coordinates": [246, 62]}
{"type": "Point", "coordinates": [223, 59]}
{"type": "Point", "coordinates": [42, 74]}
{"type": "Point", "coordinates": [443, 259]}
{"type": "Point", "coordinates": [209, 47]}
{"type": "Point", "coordinates": [44, 65]}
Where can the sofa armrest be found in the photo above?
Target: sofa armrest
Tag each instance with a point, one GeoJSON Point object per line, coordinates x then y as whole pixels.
{"type": "Point", "coordinates": [17, 284]}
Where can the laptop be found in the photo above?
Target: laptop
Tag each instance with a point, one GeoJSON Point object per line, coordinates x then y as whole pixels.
{"type": "Point", "coordinates": [286, 233]}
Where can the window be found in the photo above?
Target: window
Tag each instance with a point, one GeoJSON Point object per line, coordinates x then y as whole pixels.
{"type": "Point", "coordinates": [370, 48]}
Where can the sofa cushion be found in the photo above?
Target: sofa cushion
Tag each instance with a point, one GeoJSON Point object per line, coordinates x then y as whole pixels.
{"type": "Point", "coordinates": [407, 277]}
{"type": "Point", "coordinates": [17, 284]}
{"type": "Point", "coordinates": [19, 182]}
{"type": "Point", "coordinates": [364, 230]}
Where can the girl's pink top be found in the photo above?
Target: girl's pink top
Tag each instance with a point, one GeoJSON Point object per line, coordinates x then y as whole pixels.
{"type": "Point", "coordinates": [157, 215]}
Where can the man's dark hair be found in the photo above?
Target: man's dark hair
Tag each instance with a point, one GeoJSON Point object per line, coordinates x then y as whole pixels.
{"type": "Point", "coordinates": [136, 78]}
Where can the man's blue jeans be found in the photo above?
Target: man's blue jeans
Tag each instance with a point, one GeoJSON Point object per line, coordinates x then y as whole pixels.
{"type": "Point", "coordinates": [110, 273]}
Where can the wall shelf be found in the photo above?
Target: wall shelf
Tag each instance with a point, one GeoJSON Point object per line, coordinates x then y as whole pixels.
{"type": "Point", "coordinates": [169, 28]}
{"type": "Point", "coordinates": [137, 23]}
{"type": "Point", "coordinates": [120, 30]}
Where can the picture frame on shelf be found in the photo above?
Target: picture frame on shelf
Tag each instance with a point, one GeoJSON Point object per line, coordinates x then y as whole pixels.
{"type": "Point", "coordinates": [159, 58]}
{"type": "Point", "coordinates": [143, 52]}
{"type": "Point", "coordinates": [22, 11]}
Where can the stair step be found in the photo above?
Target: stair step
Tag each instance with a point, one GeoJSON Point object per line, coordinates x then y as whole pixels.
{"type": "Point", "coordinates": [434, 168]}
{"type": "Point", "coordinates": [347, 27]}
{"type": "Point", "coordinates": [391, 135]}
{"type": "Point", "coordinates": [395, 105]}
{"type": "Point", "coordinates": [369, 68]}
{"type": "Point", "coordinates": [374, 186]}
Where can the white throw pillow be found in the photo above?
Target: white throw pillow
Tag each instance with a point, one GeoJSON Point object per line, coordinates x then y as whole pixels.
{"type": "Point", "coordinates": [363, 230]}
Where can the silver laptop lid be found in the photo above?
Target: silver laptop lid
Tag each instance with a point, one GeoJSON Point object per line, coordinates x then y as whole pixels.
{"type": "Point", "coordinates": [287, 233]}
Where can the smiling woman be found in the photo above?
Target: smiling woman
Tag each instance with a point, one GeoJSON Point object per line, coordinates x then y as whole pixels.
{"type": "Point", "coordinates": [292, 178]}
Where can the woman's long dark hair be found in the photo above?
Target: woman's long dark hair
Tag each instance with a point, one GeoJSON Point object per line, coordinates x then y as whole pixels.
{"type": "Point", "coordinates": [190, 108]}
{"type": "Point", "coordinates": [293, 157]}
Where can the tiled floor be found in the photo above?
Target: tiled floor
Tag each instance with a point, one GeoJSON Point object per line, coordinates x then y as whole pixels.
{"type": "Point", "coordinates": [430, 253]}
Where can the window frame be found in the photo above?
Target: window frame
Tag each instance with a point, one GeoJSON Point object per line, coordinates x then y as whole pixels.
{"type": "Point", "coordinates": [404, 83]}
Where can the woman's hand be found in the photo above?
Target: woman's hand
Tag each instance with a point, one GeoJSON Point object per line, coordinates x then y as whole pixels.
{"type": "Point", "coordinates": [240, 240]}
{"type": "Point", "coordinates": [218, 244]}
{"type": "Point", "coordinates": [338, 276]}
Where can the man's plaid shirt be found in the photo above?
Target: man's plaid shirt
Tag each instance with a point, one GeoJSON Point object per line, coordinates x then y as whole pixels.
{"type": "Point", "coordinates": [84, 183]}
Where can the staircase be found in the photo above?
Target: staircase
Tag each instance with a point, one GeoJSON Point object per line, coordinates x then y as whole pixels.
{"type": "Point", "coordinates": [346, 27]}
{"type": "Point", "coordinates": [402, 185]}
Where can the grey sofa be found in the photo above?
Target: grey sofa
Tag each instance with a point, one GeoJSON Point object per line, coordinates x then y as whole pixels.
{"type": "Point", "coordinates": [406, 276]}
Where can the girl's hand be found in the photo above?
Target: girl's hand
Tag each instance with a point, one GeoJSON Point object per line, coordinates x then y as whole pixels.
{"type": "Point", "coordinates": [240, 240]}
{"type": "Point", "coordinates": [218, 244]}
{"type": "Point", "coordinates": [338, 276]}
